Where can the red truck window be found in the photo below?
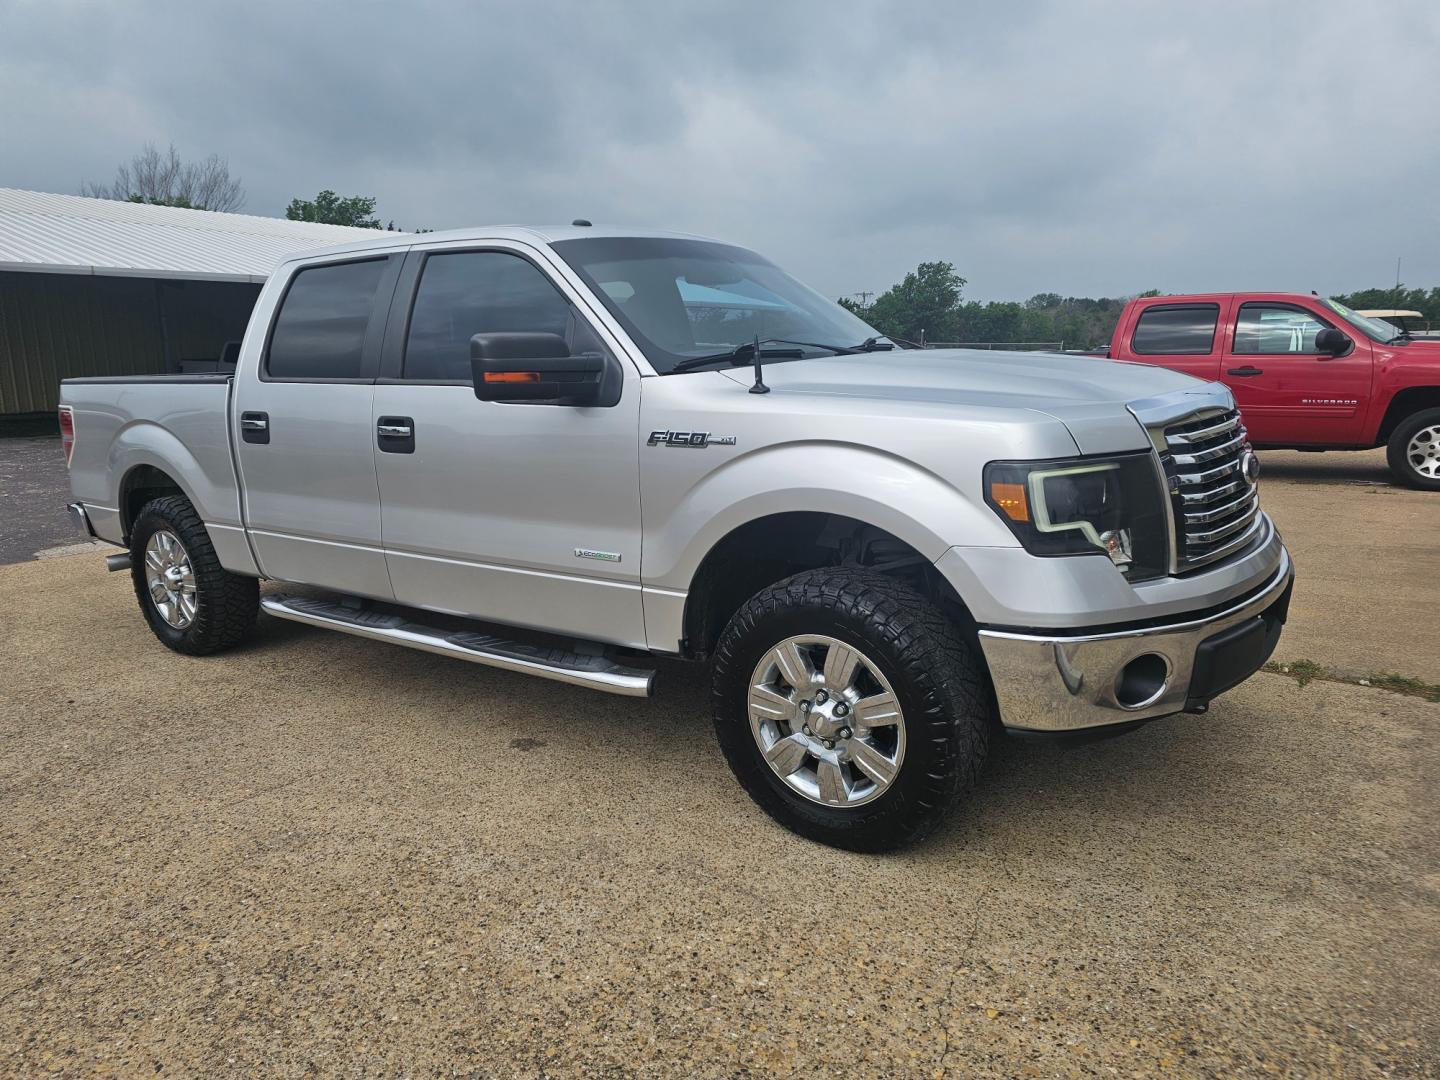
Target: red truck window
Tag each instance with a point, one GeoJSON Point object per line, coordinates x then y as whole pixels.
{"type": "Point", "coordinates": [1176, 330]}
{"type": "Point", "coordinates": [1267, 328]}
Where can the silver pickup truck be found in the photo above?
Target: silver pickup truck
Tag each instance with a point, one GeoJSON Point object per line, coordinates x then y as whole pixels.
{"type": "Point", "coordinates": [569, 451]}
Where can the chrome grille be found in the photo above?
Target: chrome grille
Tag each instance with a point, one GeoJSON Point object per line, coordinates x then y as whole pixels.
{"type": "Point", "coordinates": [1217, 510]}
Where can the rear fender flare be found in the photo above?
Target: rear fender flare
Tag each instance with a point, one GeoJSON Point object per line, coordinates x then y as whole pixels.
{"type": "Point", "coordinates": [215, 498]}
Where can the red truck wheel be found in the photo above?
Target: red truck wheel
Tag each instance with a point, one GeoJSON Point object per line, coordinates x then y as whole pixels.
{"type": "Point", "coordinates": [1414, 451]}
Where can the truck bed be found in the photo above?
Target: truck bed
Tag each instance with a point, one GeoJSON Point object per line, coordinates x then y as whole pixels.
{"type": "Point", "coordinates": [170, 378]}
{"type": "Point", "coordinates": [177, 424]}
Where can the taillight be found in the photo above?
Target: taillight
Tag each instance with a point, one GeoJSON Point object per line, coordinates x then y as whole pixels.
{"type": "Point", "coordinates": [67, 432]}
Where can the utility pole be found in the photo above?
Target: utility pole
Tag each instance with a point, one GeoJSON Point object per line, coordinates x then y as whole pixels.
{"type": "Point", "coordinates": [864, 297]}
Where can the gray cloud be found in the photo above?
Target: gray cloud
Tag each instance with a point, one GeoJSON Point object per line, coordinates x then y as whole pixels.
{"type": "Point", "coordinates": [1088, 149]}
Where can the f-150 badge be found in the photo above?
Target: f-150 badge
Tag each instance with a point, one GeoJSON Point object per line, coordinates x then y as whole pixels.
{"type": "Point", "coordinates": [696, 440]}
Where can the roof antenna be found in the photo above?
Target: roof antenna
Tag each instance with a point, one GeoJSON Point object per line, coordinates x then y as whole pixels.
{"type": "Point", "coordinates": [759, 387]}
{"type": "Point", "coordinates": [580, 222]}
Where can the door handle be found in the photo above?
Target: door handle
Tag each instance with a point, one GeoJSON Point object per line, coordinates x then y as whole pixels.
{"type": "Point", "coordinates": [395, 434]}
{"type": "Point", "coordinates": [255, 427]}
{"type": "Point", "coordinates": [1244, 372]}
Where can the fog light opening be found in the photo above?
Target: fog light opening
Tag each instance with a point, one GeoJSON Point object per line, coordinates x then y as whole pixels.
{"type": "Point", "coordinates": [1142, 681]}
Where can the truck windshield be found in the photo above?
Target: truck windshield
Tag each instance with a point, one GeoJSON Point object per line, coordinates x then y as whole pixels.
{"type": "Point", "coordinates": [1375, 329]}
{"type": "Point", "coordinates": [686, 298]}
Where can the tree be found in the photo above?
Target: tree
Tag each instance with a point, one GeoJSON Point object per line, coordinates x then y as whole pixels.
{"type": "Point", "coordinates": [330, 209]}
{"type": "Point", "coordinates": [927, 302]}
{"type": "Point", "coordinates": [165, 180]}
{"type": "Point", "coordinates": [1397, 298]}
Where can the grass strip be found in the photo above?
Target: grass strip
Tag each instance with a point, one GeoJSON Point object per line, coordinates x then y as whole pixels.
{"type": "Point", "coordinates": [1308, 671]}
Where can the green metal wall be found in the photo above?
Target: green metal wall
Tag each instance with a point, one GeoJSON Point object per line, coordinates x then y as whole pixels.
{"type": "Point", "coordinates": [55, 326]}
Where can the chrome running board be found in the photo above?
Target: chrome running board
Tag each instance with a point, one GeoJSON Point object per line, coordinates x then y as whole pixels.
{"type": "Point", "coordinates": [578, 669]}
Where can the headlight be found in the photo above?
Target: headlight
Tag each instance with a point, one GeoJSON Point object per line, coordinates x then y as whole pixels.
{"type": "Point", "coordinates": [1087, 506]}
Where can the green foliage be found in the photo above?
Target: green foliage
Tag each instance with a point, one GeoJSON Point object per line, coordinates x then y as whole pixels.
{"type": "Point", "coordinates": [1427, 302]}
{"type": "Point", "coordinates": [929, 301]}
{"type": "Point", "coordinates": [1405, 684]}
{"type": "Point", "coordinates": [171, 200]}
{"type": "Point", "coordinates": [926, 302]}
{"type": "Point", "coordinates": [1305, 672]}
{"type": "Point", "coordinates": [330, 209]}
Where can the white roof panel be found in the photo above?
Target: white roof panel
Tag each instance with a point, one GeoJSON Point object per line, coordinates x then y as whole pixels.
{"type": "Point", "coordinates": [71, 234]}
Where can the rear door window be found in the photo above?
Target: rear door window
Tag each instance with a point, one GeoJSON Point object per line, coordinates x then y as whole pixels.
{"type": "Point", "coordinates": [1176, 330]}
{"type": "Point", "coordinates": [320, 330]}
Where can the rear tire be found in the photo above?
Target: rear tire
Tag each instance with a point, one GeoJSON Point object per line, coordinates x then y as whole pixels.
{"type": "Point", "coordinates": [1414, 451]}
{"type": "Point", "coordinates": [914, 766]}
{"type": "Point", "coordinates": [192, 603]}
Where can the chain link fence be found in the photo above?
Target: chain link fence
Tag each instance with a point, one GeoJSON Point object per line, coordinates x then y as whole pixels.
{"type": "Point", "coordinates": [1005, 346]}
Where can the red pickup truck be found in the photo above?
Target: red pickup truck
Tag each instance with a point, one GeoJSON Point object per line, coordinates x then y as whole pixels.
{"type": "Point", "coordinates": [1307, 373]}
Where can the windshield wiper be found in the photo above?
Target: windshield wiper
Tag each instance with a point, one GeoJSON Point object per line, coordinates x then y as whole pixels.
{"type": "Point", "coordinates": [735, 357]}
{"type": "Point", "coordinates": [745, 351]}
{"type": "Point", "coordinates": [870, 344]}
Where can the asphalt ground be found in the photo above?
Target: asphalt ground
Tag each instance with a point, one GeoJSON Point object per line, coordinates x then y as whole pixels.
{"type": "Point", "coordinates": [323, 856]}
{"type": "Point", "coordinates": [34, 488]}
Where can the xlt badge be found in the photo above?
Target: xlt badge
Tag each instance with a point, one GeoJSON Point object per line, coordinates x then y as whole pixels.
{"type": "Point", "coordinates": [695, 439]}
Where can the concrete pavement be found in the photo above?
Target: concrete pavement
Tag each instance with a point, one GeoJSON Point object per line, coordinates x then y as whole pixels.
{"type": "Point", "coordinates": [324, 856]}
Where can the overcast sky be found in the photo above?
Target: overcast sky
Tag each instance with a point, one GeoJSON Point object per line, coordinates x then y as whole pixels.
{"type": "Point", "coordinates": [1080, 148]}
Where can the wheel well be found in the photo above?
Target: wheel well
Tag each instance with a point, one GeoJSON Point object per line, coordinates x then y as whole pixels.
{"type": "Point", "coordinates": [764, 551]}
{"type": "Point", "coordinates": [1405, 403]}
{"type": "Point", "coordinates": [141, 484]}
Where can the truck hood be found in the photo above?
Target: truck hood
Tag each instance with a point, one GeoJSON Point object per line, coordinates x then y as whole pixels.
{"type": "Point", "coordinates": [1426, 349]}
{"type": "Point", "coordinates": [1087, 394]}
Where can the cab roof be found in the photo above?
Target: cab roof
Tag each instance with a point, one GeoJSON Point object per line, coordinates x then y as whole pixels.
{"type": "Point", "coordinates": [1216, 297]}
{"type": "Point", "coordinates": [525, 234]}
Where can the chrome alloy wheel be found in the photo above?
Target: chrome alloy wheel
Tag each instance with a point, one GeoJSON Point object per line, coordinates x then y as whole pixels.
{"type": "Point", "coordinates": [1423, 453]}
{"type": "Point", "coordinates": [170, 578]}
{"type": "Point", "coordinates": [827, 722]}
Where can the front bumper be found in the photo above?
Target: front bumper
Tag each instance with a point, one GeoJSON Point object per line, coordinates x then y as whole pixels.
{"type": "Point", "coordinates": [1054, 682]}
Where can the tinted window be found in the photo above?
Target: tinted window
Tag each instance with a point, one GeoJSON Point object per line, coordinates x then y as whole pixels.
{"type": "Point", "coordinates": [1176, 330]}
{"type": "Point", "coordinates": [476, 292]}
{"type": "Point", "coordinates": [320, 331]}
{"type": "Point", "coordinates": [1276, 328]}
{"type": "Point", "coordinates": [686, 298]}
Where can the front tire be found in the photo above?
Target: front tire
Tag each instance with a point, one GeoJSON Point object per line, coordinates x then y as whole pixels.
{"type": "Point", "coordinates": [850, 708]}
{"type": "Point", "coordinates": [1414, 451]}
{"type": "Point", "coordinates": [192, 603]}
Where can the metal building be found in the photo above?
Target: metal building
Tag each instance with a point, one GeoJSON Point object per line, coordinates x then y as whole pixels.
{"type": "Point", "coordinates": [95, 287]}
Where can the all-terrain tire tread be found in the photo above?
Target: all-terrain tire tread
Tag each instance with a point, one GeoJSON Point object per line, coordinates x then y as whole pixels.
{"type": "Point", "coordinates": [228, 603]}
{"type": "Point", "coordinates": [938, 663]}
